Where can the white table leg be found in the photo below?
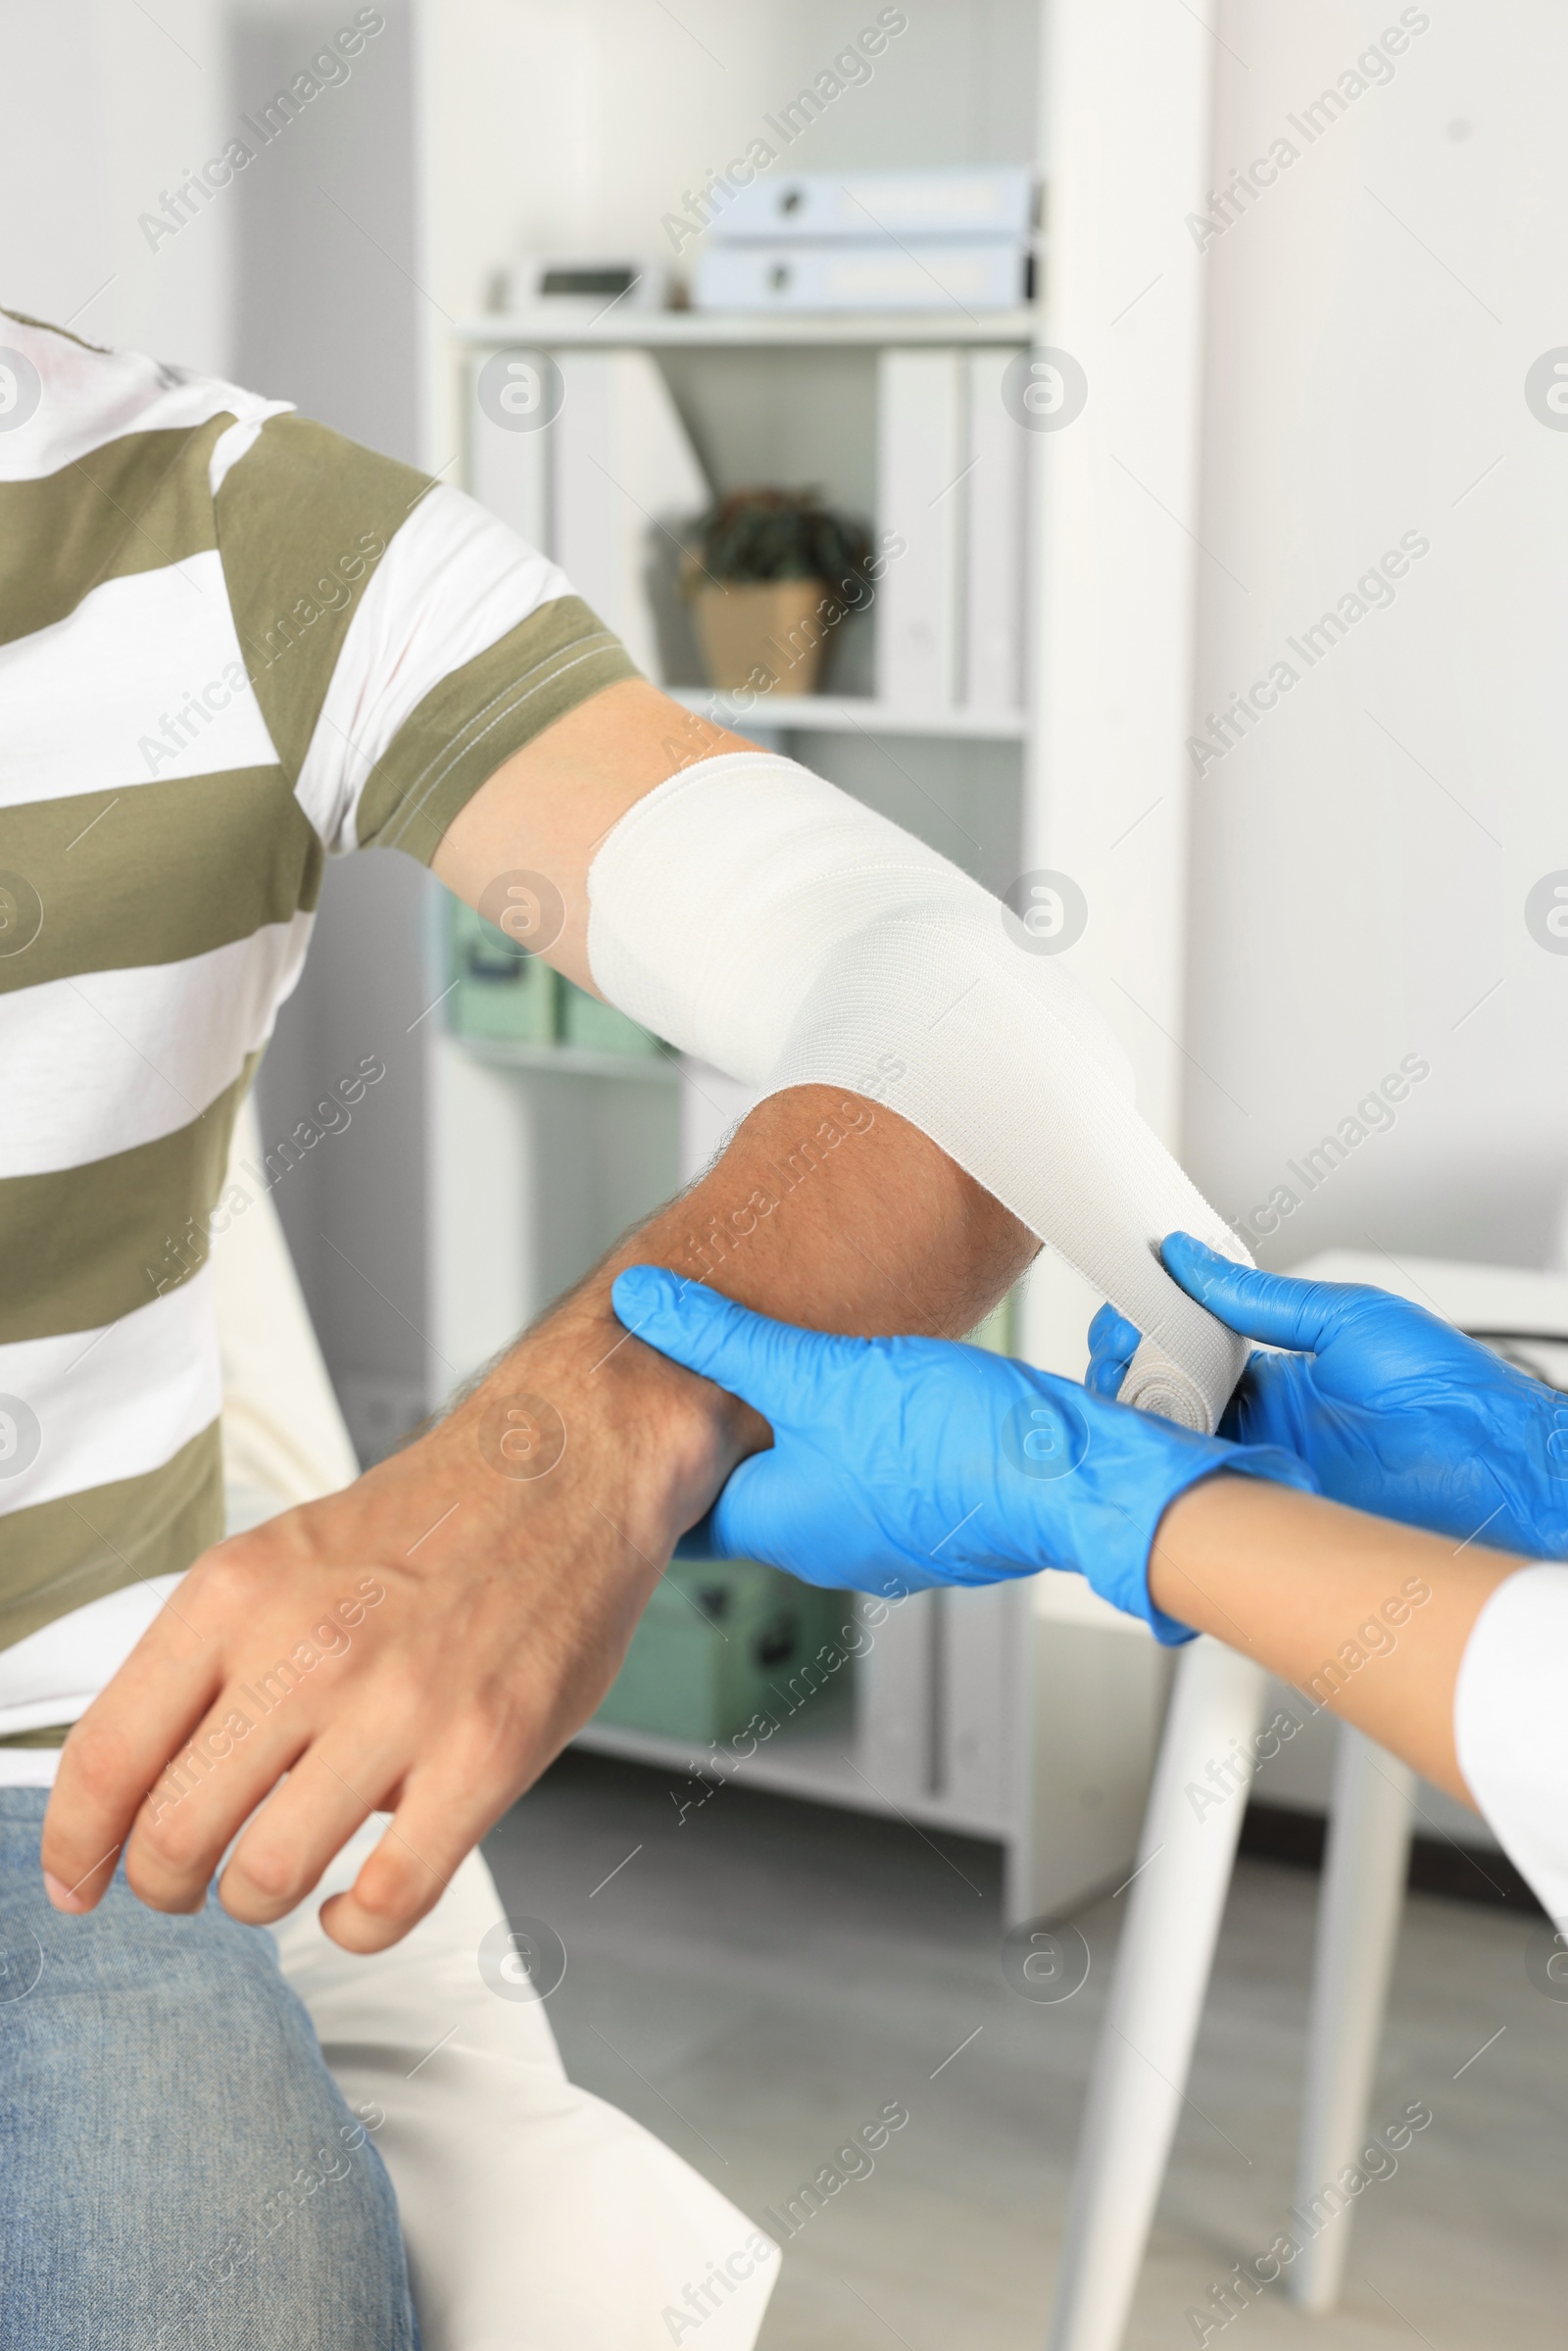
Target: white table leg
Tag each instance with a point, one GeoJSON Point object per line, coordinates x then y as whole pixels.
{"type": "Point", "coordinates": [1358, 1929]}
{"type": "Point", "coordinates": [1167, 1947]}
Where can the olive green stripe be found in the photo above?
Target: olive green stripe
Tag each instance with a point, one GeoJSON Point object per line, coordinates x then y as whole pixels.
{"type": "Point", "coordinates": [59, 1555]}
{"type": "Point", "coordinates": [153, 874]}
{"type": "Point", "coordinates": [302, 521]}
{"type": "Point", "coordinates": [139, 503]}
{"type": "Point", "coordinates": [86, 1244]}
{"type": "Point", "coordinates": [474, 719]}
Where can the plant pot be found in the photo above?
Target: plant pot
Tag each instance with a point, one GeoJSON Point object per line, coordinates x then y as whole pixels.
{"type": "Point", "coordinates": [766, 634]}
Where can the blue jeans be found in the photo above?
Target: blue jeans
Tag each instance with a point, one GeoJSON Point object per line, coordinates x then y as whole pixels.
{"type": "Point", "coordinates": [178, 2171]}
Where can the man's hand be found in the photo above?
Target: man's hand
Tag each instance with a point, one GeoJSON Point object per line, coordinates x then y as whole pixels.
{"type": "Point", "coordinates": [426, 1640]}
{"type": "Point", "coordinates": [423, 1643]}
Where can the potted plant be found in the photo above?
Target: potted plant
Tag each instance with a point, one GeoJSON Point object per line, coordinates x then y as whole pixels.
{"type": "Point", "coordinates": [768, 579]}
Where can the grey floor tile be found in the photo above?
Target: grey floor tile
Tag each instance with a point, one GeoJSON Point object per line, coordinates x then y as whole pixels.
{"type": "Point", "coordinates": [762, 1976]}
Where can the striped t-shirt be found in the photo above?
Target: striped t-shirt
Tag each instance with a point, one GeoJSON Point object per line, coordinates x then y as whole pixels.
{"type": "Point", "coordinates": [230, 644]}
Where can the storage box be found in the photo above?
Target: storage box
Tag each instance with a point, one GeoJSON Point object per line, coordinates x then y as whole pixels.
{"type": "Point", "coordinates": [598, 1028]}
{"type": "Point", "coordinates": [721, 1641]}
{"type": "Point", "coordinates": [507, 997]}
{"type": "Point", "coordinates": [502, 992]}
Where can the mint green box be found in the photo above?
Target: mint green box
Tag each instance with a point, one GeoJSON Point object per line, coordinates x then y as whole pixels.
{"type": "Point", "coordinates": [503, 994]}
{"type": "Point", "coordinates": [598, 1028]}
{"type": "Point", "coordinates": [722, 1641]}
{"type": "Point", "coordinates": [999, 1332]}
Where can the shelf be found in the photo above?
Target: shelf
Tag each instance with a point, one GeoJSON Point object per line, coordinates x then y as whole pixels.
{"type": "Point", "coordinates": [848, 715]}
{"type": "Point", "coordinates": [816, 1763]}
{"type": "Point", "coordinates": [571, 1060]}
{"type": "Point", "coordinates": [796, 1761]}
{"type": "Point", "coordinates": [691, 330]}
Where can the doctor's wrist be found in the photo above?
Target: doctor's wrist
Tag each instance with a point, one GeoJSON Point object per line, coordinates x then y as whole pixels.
{"type": "Point", "coordinates": [1201, 1515]}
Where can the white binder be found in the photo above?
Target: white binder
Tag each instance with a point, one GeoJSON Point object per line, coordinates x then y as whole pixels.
{"type": "Point", "coordinates": [995, 492]}
{"type": "Point", "coordinates": [878, 273]}
{"type": "Point", "coordinates": [605, 488]}
{"type": "Point", "coordinates": [921, 460]}
{"type": "Point", "coordinates": [936, 201]}
{"type": "Point", "coordinates": [625, 481]}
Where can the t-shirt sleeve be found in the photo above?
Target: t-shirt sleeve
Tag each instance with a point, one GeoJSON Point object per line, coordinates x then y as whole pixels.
{"type": "Point", "coordinates": [401, 641]}
{"type": "Point", "coordinates": [1511, 1726]}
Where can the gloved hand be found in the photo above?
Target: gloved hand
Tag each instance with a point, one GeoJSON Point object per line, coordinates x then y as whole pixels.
{"type": "Point", "coordinates": [901, 1463]}
{"type": "Point", "coordinates": [1394, 1410]}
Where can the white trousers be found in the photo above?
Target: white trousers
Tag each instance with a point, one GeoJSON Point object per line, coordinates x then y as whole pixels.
{"type": "Point", "coordinates": [536, 2218]}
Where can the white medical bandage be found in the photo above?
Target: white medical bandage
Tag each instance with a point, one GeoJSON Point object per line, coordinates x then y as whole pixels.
{"type": "Point", "coordinates": [761, 918]}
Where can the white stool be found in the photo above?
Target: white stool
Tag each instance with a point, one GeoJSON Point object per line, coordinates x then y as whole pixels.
{"type": "Point", "coordinates": [1185, 1864]}
{"type": "Point", "coordinates": [1357, 1928]}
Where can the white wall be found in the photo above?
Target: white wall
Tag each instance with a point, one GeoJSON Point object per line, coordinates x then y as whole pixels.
{"type": "Point", "coordinates": [1360, 863]}
{"type": "Point", "coordinates": [327, 315]}
{"type": "Point", "coordinates": [105, 109]}
{"type": "Point", "coordinates": [1124, 102]}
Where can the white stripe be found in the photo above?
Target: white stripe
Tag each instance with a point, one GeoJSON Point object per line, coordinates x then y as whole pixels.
{"type": "Point", "coordinates": [56, 1673]}
{"type": "Point", "coordinates": [88, 398]}
{"type": "Point", "coordinates": [109, 1059]}
{"type": "Point", "coordinates": [85, 702]}
{"type": "Point", "coordinates": [451, 584]}
{"type": "Point", "coordinates": [115, 1402]}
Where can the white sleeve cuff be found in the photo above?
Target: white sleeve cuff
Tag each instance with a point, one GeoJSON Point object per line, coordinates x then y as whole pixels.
{"type": "Point", "coordinates": [1510, 1725]}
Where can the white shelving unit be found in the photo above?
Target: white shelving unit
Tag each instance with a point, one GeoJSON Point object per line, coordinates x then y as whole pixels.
{"type": "Point", "coordinates": [849, 715]}
{"type": "Point", "coordinates": [696, 330]}
{"type": "Point", "coordinates": [575, 1061]}
{"type": "Point", "coordinates": [966, 1706]}
{"type": "Point", "coordinates": [1026, 1713]}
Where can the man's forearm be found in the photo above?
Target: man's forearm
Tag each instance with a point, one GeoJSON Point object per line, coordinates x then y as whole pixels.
{"type": "Point", "coordinates": [1369, 1618]}
{"type": "Point", "coordinates": [514, 1546]}
{"type": "Point", "coordinates": [846, 1215]}
{"type": "Point", "coordinates": [826, 1211]}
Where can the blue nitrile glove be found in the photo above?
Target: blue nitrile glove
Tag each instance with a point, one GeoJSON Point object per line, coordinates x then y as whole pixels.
{"type": "Point", "coordinates": [1395, 1410]}
{"type": "Point", "coordinates": [901, 1463]}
